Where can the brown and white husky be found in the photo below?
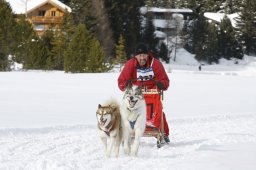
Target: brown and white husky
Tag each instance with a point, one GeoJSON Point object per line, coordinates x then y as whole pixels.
{"type": "Point", "coordinates": [109, 125]}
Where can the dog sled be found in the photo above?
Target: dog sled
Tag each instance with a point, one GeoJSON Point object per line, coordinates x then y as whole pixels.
{"type": "Point", "coordinates": [154, 98]}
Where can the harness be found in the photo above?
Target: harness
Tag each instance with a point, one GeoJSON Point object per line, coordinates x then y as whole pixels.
{"type": "Point", "coordinates": [106, 130]}
{"type": "Point", "coordinates": [132, 123]}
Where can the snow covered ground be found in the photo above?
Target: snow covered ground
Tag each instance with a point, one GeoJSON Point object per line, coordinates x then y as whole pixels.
{"type": "Point", "coordinates": [47, 120]}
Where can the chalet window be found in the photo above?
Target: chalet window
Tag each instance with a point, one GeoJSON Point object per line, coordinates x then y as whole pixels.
{"type": "Point", "coordinates": [41, 13]}
{"type": "Point", "coordinates": [53, 13]}
{"type": "Point", "coordinates": [39, 27]}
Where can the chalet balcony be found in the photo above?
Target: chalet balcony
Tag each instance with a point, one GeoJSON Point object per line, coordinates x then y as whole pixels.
{"type": "Point", "coordinates": [46, 19]}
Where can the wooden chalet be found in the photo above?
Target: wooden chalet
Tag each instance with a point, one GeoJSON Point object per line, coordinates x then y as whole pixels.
{"type": "Point", "coordinates": [43, 14]}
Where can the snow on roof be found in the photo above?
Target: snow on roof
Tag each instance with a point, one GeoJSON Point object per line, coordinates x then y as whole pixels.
{"type": "Point", "coordinates": [160, 34]}
{"type": "Point", "coordinates": [144, 10]}
{"type": "Point", "coordinates": [19, 6]}
{"type": "Point", "coordinates": [219, 16]}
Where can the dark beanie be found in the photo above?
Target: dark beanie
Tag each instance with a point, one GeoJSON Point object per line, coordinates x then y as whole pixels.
{"type": "Point", "coordinates": [141, 49]}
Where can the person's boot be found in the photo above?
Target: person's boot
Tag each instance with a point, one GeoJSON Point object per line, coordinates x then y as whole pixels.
{"type": "Point", "coordinates": [166, 139]}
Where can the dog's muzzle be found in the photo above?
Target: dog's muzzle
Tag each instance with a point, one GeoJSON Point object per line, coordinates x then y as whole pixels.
{"type": "Point", "coordinates": [102, 121]}
{"type": "Point", "coordinates": [132, 102]}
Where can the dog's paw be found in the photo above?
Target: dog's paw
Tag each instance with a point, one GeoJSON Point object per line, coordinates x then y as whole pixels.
{"type": "Point", "coordinates": [127, 151]}
{"type": "Point", "coordinates": [108, 153]}
{"type": "Point", "coordinates": [134, 152]}
{"type": "Point", "coordinates": [116, 152]}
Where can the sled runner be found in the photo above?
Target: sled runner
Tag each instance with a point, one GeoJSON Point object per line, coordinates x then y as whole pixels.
{"type": "Point", "coordinates": [153, 98]}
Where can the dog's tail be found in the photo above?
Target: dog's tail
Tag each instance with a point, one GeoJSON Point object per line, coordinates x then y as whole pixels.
{"type": "Point", "coordinates": [112, 102]}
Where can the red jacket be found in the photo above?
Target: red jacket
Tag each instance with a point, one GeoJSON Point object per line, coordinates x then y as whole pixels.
{"type": "Point", "coordinates": [129, 72]}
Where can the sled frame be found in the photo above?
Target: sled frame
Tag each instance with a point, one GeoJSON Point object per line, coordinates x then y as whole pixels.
{"type": "Point", "coordinates": [158, 133]}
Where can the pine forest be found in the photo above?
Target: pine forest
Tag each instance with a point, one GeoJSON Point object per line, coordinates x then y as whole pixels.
{"type": "Point", "coordinates": [99, 34]}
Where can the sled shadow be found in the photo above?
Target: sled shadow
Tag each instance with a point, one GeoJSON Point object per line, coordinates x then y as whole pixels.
{"type": "Point", "coordinates": [189, 143]}
{"type": "Point", "coordinates": [200, 145]}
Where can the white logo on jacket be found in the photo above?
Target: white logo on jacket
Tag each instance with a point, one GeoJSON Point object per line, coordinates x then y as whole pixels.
{"type": "Point", "coordinates": [145, 74]}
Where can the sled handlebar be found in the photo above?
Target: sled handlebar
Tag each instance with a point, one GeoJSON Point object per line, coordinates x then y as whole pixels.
{"type": "Point", "coordinates": [143, 79]}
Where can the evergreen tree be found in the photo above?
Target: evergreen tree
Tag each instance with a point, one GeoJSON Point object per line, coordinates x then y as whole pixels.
{"type": "Point", "coordinates": [198, 37]}
{"type": "Point", "coordinates": [96, 58]}
{"type": "Point", "coordinates": [210, 50]}
{"type": "Point", "coordinates": [160, 3]}
{"type": "Point", "coordinates": [25, 34]}
{"type": "Point", "coordinates": [67, 27]}
{"type": "Point", "coordinates": [75, 56]}
{"type": "Point", "coordinates": [103, 26]}
{"type": "Point", "coordinates": [65, 1]}
{"type": "Point", "coordinates": [163, 53]}
{"type": "Point", "coordinates": [209, 5]}
{"type": "Point", "coordinates": [84, 53]}
{"type": "Point", "coordinates": [82, 13]}
{"type": "Point", "coordinates": [62, 40]}
{"type": "Point", "coordinates": [7, 34]}
{"type": "Point", "coordinates": [57, 53]}
{"type": "Point", "coordinates": [246, 31]}
{"type": "Point", "coordinates": [36, 56]}
{"type": "Point", "coordinates": [228, 45]}
{"type": "Point", "coordinates": [181, 3]}
{"type": "Point", "coordinates": [93, 15]}
{"type": "Point", "coordinates": [132, 25]}
{"type": "Point", "coordinates": [120, 52]}
{"type": "Point", "coordinates": [125, 19]}
{"type": "Point", "coordinates": [149, 37]}
{"type": "Point", "coordinates": [231, 6]}
{"type": "Point", "coordinates": [37, 52]}
{"type": "Point", "coordinates": [47, 39]}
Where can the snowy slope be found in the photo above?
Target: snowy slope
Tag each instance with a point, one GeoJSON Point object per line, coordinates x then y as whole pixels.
{"type": "Point", "coordinates": [47, 121]}
{"type": "Point", "coordinates": [212, 142]}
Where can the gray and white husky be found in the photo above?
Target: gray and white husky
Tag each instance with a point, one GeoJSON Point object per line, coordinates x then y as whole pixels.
{"type": "Point", "coordinates": [133, 114]}
{"type": "Point", "coordinates": [109, 125]}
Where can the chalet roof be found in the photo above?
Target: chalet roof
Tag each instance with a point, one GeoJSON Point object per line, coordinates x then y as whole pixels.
{"type": "Point", "coordinates": [217, 17]}
{"type": "Point", "coordinates": [21, 6]}
{"type": "Point", "coordinates": [144, 10]}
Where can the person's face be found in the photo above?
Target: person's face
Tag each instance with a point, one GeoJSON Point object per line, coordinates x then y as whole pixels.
{"type": "Point", "coordinates": [142, 59]}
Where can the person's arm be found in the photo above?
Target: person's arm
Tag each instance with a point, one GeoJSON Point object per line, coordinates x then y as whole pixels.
{"type": "Point", "coordinates": [125, 75]}
{"type": "Point", "coordinates": [160, 74]}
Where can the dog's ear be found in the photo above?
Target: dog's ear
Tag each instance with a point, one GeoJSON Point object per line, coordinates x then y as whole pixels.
{"type": "Point", "coordinates": [139, 89]}
{"type": "Point", "coordinates": [99, 106]}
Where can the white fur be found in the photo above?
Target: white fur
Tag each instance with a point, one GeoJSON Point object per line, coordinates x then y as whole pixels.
{"type": "Point", "coordinates": [111, 143]}
{"type": "Point", "coordinates": [136, 112]}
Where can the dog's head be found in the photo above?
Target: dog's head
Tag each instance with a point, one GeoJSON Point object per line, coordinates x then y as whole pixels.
{"type": "Point", "coordinates": [133, 96]}
{"type": "Point", "coordinates": [104, 114]}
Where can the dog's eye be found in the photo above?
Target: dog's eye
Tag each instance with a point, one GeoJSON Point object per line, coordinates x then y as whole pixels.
{"type": "Point", "coordinates": [129, 93]}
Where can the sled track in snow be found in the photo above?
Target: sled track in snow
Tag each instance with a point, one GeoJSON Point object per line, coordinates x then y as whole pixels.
{"type": "Point", "coordinates": [79, 147]}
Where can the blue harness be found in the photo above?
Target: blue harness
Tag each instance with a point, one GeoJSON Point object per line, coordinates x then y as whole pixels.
{"type": "Point", "coordinates": [132, 123]}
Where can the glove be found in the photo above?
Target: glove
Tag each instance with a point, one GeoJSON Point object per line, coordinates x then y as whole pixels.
{"type": "Point", "coordinates": [160, 85]}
